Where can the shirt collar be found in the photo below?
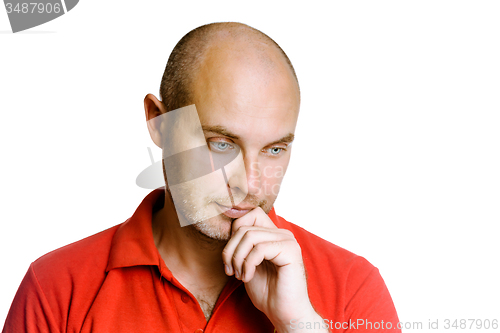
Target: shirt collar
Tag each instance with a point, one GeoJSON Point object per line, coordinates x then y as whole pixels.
{"type": "Point", "coordinates": [133, 243]}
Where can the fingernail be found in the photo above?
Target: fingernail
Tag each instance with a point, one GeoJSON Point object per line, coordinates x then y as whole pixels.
{"type": "Point", "coordinates": [228, 269]}
{"type": "Point", "coordinates": [237, 274]}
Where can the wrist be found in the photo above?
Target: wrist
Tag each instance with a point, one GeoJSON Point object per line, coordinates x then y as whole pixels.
{"type": "Point", "coordinates": [310, 322]}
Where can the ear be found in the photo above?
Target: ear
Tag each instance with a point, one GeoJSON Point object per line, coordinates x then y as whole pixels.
{"type": "Point", "coordinates": [154, 108]}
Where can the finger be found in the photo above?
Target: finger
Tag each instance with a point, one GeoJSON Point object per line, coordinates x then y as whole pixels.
{"type": "Point", "coordinates": [251, 238]}
{"type": "Point", "coordinates": [280, 253]}
{"type": "Point", "coordinates": [232, 244]}
{"type": "Point", "coordinates": [256, 217]}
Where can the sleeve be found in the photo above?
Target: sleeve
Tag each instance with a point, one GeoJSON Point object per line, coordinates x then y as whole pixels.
{"type": "Point", "coordinates": [30, 311]}
{"type": "Point", "coordinates": [370, 308]}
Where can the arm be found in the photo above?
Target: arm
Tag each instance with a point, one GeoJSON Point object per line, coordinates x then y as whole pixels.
{"type": "Point", "coordinates": [30, 311]}
{"type": "Point", "coordinates": [370, 307]}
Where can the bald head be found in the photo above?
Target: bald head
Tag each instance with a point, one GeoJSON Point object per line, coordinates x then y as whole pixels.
{"type": "Point", "coordinates": [205, 47]}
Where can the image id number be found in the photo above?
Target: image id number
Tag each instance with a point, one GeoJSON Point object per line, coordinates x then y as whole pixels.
{"type": "Point", "coordinates": [471, 323]}
{"type": "Point", "coordinates": [33, 7]}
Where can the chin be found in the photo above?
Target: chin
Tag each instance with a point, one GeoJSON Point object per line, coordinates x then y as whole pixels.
{"type": "Point", "coordinates": [217, 228]}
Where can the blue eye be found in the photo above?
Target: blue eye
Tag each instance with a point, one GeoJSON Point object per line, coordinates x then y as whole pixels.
{"type": "Point", "coordinates": [220, 146]}
{"type": "Point", "coordinates": [275, 150]}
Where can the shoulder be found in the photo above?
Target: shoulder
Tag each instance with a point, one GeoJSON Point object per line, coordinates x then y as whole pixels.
{"type": "Point", "coordinates": [59, 286]}
{"type": "Point", "coordinates": [341, 284]}
{"type": "Point", "coordinates": [319, 248]}
{"type": "Point", "coordinates": [82, 259]}
{"type": "Point", "coordinates": [330, 259]}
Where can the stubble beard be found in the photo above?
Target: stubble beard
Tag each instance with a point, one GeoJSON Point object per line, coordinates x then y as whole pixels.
{"type": "Point", "coordinates": [215, 231]}
{"type": "Point", "coordinates": [211, 232]}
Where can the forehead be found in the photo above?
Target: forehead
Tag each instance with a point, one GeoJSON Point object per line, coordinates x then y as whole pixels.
{"type": "Point", "coordinates": [251, 92]}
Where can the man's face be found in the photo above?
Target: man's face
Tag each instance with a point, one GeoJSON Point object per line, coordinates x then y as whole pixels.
{"type": "Point", "coordinates": [245, 106]}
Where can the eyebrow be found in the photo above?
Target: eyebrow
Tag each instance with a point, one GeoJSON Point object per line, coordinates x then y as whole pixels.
{"type": "Point", "coordinates": [219, 130]}
{"type": "Point", "coordinates": [286, 139]}
{"type": "Point", "coordinates": [224, 131]}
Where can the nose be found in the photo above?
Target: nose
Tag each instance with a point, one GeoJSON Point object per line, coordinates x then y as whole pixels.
{"type": "Point", "coordinates": [253, 175]}
{"type": "Point", "coordinates": [244, 176]}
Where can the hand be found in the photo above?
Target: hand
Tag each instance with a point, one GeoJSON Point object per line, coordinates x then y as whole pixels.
{"type": "Point", "coordinates": [269, 261]}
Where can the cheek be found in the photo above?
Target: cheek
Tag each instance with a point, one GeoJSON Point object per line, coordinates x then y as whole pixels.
{"type": "Point", "coordinates": [272, 176]}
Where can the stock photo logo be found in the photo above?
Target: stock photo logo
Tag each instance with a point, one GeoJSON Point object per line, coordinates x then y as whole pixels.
{"type": "Point", "coordinates": [198, 176]}
{"type": "Point", "coordinates": [24, 15]}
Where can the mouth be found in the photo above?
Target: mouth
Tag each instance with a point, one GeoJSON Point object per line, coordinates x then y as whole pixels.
{"type": "Point", "coordinates": [235, 212]}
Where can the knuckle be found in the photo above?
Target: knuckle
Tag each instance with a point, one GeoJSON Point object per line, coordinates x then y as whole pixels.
{"type": "Point", "coordinates": [250, 233]}
{"type": "Point", "coordinates": [242, 229]}
{"type": "Point", "coordinates": [258, 247]}
{"type": "Point", "coordinates": [278, 243]}
{"type": "Point", "coordinates": [245, 263]}
{"type": "Point", "coordinates": [236, 224]}
{"type": "Point", "coordinates": [297, 248]}
{"type": "Point", "coordinates": [225, 253]}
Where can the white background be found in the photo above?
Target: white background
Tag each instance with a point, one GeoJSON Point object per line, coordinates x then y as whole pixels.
{"type": "Point", "coordinates": [397, 148]}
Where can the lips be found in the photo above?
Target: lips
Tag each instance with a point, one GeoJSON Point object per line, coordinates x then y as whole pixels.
{"type": "Point", "coordinates": [237, 211]}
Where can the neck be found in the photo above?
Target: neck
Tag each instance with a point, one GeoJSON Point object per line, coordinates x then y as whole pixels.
{"type": "Point", "coordinates": [188, 254]}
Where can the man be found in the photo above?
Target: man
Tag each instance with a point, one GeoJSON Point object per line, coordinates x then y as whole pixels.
{"type": "Point", "coordinates": [207, 253]}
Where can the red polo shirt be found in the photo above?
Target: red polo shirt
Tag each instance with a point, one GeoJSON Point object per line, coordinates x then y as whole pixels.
{"type": "Point", "coordinates": [116, 281]}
